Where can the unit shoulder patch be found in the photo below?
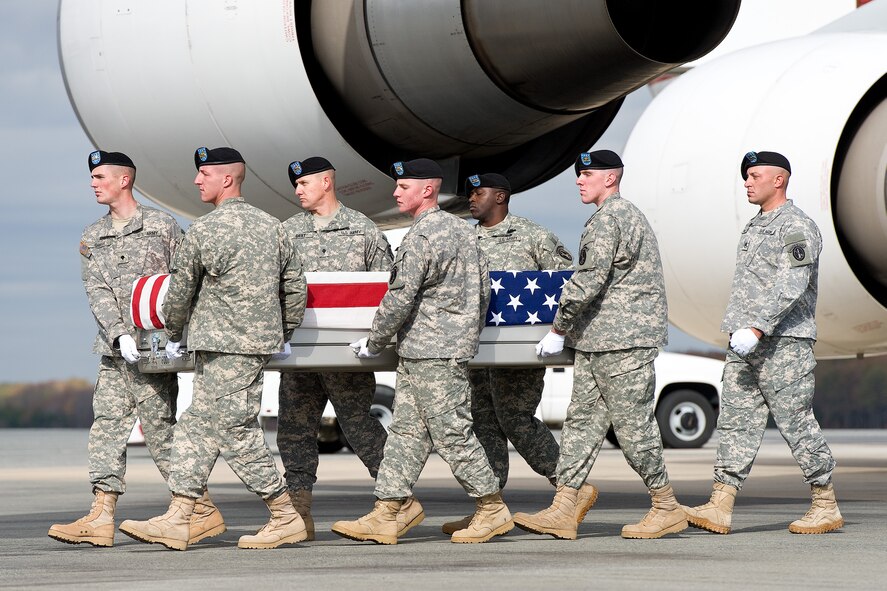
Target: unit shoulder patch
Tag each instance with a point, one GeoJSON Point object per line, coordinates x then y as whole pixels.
{"type": "Point", "coordinates": [798, 250]}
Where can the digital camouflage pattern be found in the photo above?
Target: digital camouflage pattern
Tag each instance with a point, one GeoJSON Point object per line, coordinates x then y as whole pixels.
{"type": "Point", "coordinates": [432, 411]}
{"type": "Point", "coordinates": [122, 394]}
{"type": "Point", "coordinates": [351, 242]}
{"type": "Point", "coordinates": [303, 396]}
{"type": "Point", "coordinates": [110, 261]}
{"type": "Point", "coordinates": [438, 292]}
{"type": "Point", "coordinates": [517, 244]}
{"type": "Point", "coordinates": [617, 387]}
{"type": "Point", "coordinates": [774, 290]}
{"type": "Point", "coordinates": [616, 298]}
{"type": "Point", "coordinates": [776, 377]}
{"type": "Point", "coordinates": [252, 291]}
{"type": "Point", "coordinates": [503, 408]}
{"type": "Point", "coordinates": [777, 270]}
{"type": "Point", "coordinates": [223, 419]}
{"type": "Point", "coordinates": [615, 313]}
{"type": "Point", "coordinates": [436, 303]}
{"type": "Point", "coordinates": [237, 265]}
{"type": "Point", "coordinates": [504, 401]}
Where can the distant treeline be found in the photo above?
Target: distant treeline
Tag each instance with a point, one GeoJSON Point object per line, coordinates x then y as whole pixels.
{"type": "Point", "coordinates": [850, 394]}
{"type": "Point", "coordinates": [46, 404]}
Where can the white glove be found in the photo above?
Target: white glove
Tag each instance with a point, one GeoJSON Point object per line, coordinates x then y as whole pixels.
{"type": "Point", "coordinates": [551, 344]}
{"type": "Point", "coordinates": [172, 350]}
{"type": "Point", "coordinates": [743, 341]}
{"type": "Point", "coordinates": [283, 353]}
{"type": "Point", "coordinates": [128, 348]}
{"type": "Point", "coordinates": [360, 349]}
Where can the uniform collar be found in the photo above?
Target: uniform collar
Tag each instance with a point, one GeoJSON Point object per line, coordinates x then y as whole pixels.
{"type": "Point", "coordinates": [499, 229]}
{"type": "Point", "coordinates": [134, 224]}
{"type": "Point", "coordinates": [766, 218]}
{"type": "Point", "coordinates": [425, 213]}
{"type": "Point", "coordinates": [612, 197]}
{"type": "Point", "coordinates": [231, 200]}
{"type": "Point", "coordinates": [339, 221]}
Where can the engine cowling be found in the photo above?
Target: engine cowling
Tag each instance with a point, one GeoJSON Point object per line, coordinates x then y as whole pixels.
{"type": "Point", "coordinates": [477, 84]}
{"type": "Point", "coordinates": [822, 101]}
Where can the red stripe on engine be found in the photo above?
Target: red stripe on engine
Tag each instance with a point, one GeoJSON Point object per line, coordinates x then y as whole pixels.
{"type": "Point", "coordinates": [136, 298]}
{"type": "Point", "coordinates": [152, 303]}
{"type": "Point", "coordinates": [345, 295]}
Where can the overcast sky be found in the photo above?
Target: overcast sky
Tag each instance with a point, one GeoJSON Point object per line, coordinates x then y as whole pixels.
{"type": "Point", "coordinates": [46, 202]}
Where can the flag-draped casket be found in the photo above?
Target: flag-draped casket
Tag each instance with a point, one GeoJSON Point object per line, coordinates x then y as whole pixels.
{"type": "Point", "coordinates": [340, 310]}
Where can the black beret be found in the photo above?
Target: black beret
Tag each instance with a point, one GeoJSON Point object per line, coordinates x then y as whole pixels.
{"type": "Point", "coordinates": [100, 158]}
{"type": "Point", "coordinates": [420, 168]}
{"type": "Point", "coordinates": [598, 160]}
{"type": "Point", "coordinates": [205, 156]}
{"type": "Point", "coordinates": [752, 159]}
{"type": "Point", "coordinates": [300, 168]}
{"type": "Point", "coordinates": [492, 180]}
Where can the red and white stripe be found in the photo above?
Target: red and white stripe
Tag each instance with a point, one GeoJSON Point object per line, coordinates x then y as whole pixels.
{"type": "Point", "coordinates": [343, 299]}
{"type": "Point", "coordinates": [335, 300]}
{"type": "Point", "coordinates": [147, 301]}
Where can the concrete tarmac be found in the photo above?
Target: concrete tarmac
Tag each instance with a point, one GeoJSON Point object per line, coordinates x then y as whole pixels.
{"type": "Point", "coordinates": [43, 480]}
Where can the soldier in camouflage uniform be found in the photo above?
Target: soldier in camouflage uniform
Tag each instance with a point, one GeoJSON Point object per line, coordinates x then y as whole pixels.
{"type": "Point", "coordinates": [127, 243]}
{"type": "Point", "coordinates": [504, 400]}
{"type": "Point", "coordinates": [327, 236]}
{"type": "Point", "coordinates": [237, 267]}
{"type": "Point", "coordinates": [437, 298]}
{"type": "Point", "coordinates": [614, 312]}
{"type": "Point", "coordinates": [770, 319]}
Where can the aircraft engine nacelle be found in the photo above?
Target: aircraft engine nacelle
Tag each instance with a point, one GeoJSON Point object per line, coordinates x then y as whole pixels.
{"type": "Point", "coordinates": [822, 101]}
{"type": "Point", "coordinates": [511, 86]}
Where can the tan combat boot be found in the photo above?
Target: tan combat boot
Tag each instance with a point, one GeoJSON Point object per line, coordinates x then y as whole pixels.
{"type": "Point", "coordinates": [585, 500]}
{"type": "Point", "coordinates": [409, 516]}
{"type": "Point", "coordinates": [491, 519]}
{"type": "Point", "coordinates": [286, 526]}
{"type": "Point", "coordinates": [451, 527]}
{"type": "Point", "coordinates": [558, 520]}
{"type": "Point", "coordinates": [301, 499]}
{"type": "Point", "coordinates": [96, 528]}
{"type": "Point", "coordinates": [206, 520]}
{"type": "Point", "coordinates": [379, 525]}
{"type": "Point", "coordinates": [823, 515]}
{"type": "Point", "coordinates": [666, 517]}
{"type": "Point", "coordinates": [717, 514]}
{"type": "Point", "coordinates": [170, 529]}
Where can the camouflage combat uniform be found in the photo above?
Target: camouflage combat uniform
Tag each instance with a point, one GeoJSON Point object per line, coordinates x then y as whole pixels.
{"type": "Point", "coordinates": [615, 314]}
{"type": "Point", "coordinates": [504, 400]}
{"type": "Point", "coordinates": [774, 290]}
{"type": "Point", "coordinates": [237, 265]}
{"type": "Point", "coordinates": [110, 262]}
{"type": "Point", "coordinates": [436, 302]}
{"type": "Point", "coordinates": [351, 242]}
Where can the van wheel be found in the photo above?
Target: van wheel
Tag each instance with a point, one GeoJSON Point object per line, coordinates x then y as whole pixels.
{"type": "Point", "coordinates": [686, 419]}
{"type": "Point", "coordinates": [382, 408]}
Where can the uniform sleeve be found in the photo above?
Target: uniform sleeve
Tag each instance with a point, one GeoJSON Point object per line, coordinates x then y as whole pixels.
{"type": "Point", "coordinates": [407, 278]}
{"type": "Point", "coordinates": [597, 250]}
{"type": "Point", "coordinates": [485, 295]}
{"type": "Point", "coordinates": [800, 248]}
{"type": "Point", "coordinates": [101, 297]}
{"type": "Point", "coordinates": [553, 255]}
{"type": "Point", "coordinates": [185, 275]}
{"type": "Point", "coordinates": [293, 288]}
{"type": "Point", "coordinates": [378, 251]}
{"type": "Point", "coordinates": [173, 240]}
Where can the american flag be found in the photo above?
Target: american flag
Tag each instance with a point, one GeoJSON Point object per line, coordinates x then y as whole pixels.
{"type": "Point", "coordinates": [349, 300]}
{"type": "Point", "coordinates": [525, 297]}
